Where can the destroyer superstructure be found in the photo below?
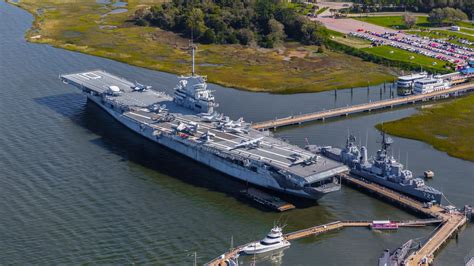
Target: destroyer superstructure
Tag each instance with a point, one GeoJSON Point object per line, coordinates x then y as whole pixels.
{"type": "Point", "coordinates": [383, 169]}
{"type": "Point", "coordinates": [187, 123]}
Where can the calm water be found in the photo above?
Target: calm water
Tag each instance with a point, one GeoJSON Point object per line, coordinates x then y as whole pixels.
{"type": "Point", "coordinates": [77, 187]}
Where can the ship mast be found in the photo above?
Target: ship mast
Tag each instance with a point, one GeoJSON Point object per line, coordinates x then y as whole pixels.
{"type": "Point", "coordinates": [193, 48]}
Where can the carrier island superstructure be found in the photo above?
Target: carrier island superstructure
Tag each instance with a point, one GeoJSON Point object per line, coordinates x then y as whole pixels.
{"type": "Point", "coordinates": [188, 124]}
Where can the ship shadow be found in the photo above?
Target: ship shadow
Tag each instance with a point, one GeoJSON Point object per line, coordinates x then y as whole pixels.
{"type": "Point", "coordinates": [129, 146]}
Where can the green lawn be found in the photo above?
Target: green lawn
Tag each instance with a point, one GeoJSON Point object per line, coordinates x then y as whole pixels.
{"type": "Point", "coordinates": [465, 24]}
{"type": "Point", "coordinates": [456, 34]}
{"type": "Point", "coordinates": [405, 56]}
{"type": "Point", "coordinates": [303, 9]}
{"type": "Point", "coordinates": [395, 22]}
{"type": "Point", "coordinates": [469, 31]}
{"type": "Point", "coordinates": [322, 10]}
{"type": "Point", "coordinates": [448, 127]}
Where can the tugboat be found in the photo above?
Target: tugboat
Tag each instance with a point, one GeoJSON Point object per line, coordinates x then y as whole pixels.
{"type": "Point", "coordinates": [273, 241]}
{"type": "Point", "coordinates": [383, 169]}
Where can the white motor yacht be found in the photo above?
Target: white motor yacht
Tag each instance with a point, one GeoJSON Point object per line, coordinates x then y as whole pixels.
{"type": "Point", "coordinates": [274, 240]}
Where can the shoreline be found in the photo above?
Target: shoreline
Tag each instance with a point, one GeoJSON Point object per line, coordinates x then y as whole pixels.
{"type": "Point", "coordinates": [256, 76]}
{"type": "Point", "coordinates": [446, 126]}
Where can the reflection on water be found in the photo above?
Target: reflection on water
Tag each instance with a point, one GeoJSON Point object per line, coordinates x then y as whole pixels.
{"type": "Point", "coordinates": [274, 257]}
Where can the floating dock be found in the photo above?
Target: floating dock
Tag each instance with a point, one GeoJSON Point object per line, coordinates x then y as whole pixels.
{"type": "Point", "coordinates": [450, 219]}
{"type": "Point", "coordinates": [267, 200]}
{"type": "Point", "coordinates": [366, 107]}
{"type": "Point", "coordinates": [320, 229]}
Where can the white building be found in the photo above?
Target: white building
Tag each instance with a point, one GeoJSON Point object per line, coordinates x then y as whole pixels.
{"type": "Point", "coordinates": [427, 85]}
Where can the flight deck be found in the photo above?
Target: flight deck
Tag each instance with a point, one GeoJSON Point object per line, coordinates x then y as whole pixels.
{"type": "Point", "coordinates": [237, 141]}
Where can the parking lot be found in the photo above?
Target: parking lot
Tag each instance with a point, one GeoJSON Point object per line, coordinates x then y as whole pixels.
{"type": "Point", "coordinates": [435, 48]}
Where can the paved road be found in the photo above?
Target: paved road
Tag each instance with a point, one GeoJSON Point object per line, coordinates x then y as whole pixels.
{"type": "Point", "coordinates": [347, 25]}
{"type": "Point", "coordinates": [332, 5]}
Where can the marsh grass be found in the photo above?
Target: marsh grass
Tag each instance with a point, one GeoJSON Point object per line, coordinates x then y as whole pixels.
{"type": "Point", "coordinates": [448, 126]}
{"type": "Point", "coordinates": [79, 26]}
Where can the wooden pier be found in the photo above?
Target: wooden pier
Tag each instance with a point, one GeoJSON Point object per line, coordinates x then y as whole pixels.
{"type": "Point", "coordinates": [320, 229]}
{"type": "Point", "coordinates": [366, 107]}
{"type": "Point", "coordinates": [450, 220]}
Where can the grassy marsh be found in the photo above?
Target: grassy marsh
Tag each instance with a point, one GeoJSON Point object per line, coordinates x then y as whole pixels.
{"type": "Point", "coordinates": [448, 126]}
{"type": "Point", "coordinates": [82, 26]}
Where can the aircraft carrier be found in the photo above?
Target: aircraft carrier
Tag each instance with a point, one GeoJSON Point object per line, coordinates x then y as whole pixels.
{"type": "Point", "coordinates": [188, 124]}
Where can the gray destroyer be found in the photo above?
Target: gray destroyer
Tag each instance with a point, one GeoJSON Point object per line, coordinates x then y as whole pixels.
{"type": "Point", "coordinates": [383, 169]}
{"type": "Point", "coordinates": [188, 124]}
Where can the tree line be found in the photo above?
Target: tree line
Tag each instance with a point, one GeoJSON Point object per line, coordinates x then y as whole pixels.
{"type": "Point", "coordinates": [413, 5]}
{"type": "Point", "coordinates": [266, 23]}
{"type": "Point", "coordinates": [438, 16]}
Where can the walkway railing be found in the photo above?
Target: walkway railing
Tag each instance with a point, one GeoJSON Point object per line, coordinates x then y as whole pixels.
{"type": "Point", "coordinates": [345, 111]}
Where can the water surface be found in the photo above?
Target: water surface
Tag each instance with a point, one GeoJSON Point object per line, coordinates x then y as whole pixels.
{"type": "Point", "coordinates": [78, 187]}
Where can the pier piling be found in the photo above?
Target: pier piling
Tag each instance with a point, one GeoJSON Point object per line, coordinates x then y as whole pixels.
{"type": "Point", "coordinates": [369, 106]}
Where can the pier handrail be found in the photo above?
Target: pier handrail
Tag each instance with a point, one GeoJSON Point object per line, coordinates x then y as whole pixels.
{"type": "Point", "coordinates": [300, 118]}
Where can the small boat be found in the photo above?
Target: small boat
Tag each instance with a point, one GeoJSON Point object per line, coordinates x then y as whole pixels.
{"type": "Point", "coordinates": [273, 241]}
{"type": "Point", "coordinates": [429, 174]}
{"type": "Point", "coordinates": [384, 225]}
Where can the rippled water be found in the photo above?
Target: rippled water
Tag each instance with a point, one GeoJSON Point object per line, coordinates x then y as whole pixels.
{"type": "Point", "coordinates": [77, 187]}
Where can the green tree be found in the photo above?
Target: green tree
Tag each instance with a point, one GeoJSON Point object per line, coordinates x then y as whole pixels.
{"type": "Point", "coordinates": [454, 15]}
{"type": "Point", "coordinates": [277, 34]}
{"type": "Point", "coordinates": [312, 33]}
{"type": "Point", "coordinates": [195, 26]}
{"type": "Point", "coordinates": [208, 37]}
{"type": "Point", "coordinates": [245, 36]}
{"type": "Point", "coordinates": [437, 16]}
{"type": "Point", "coordinates": [266, 22]}
{"type": "Point", "coordinates": [264, 12]}
{"type": "Point", "coordinates": [409, 20]}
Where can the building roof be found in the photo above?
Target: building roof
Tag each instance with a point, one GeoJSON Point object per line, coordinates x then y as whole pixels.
{"type": "Point", "coordinates": [469, 70]}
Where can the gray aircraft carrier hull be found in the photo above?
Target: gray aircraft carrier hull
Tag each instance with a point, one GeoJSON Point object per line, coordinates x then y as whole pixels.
{"type": "Point", "coordinates": [205, 158]}
{"type": "Point", "coordinates": [231, 147]}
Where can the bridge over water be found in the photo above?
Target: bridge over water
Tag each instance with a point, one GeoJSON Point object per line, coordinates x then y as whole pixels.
{"type": "Point", "coordinates": [366, 107]}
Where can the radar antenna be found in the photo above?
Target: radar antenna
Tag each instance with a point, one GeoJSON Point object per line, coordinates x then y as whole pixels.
{"type": "Point", "coordinates": [386, 141]}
